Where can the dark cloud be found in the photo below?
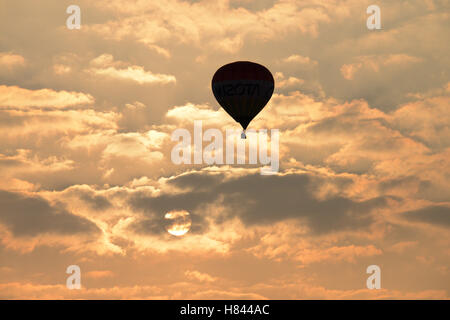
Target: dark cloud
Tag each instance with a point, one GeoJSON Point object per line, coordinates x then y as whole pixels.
{"type": "Point", "coordinates": [166, 202]}
{"type": "Point", "coordinates": [266, 199]}
{"type": "Point", "coordinates": [400, 182]}
{"type": "Point", "coordinates": [96, 202]}
{"type": "Point", "coordinates": [10, 163]}
{"type": "Point", "coordinates": [8, 120]}
{"type": "Point", "coordinates": [255, 5]}
{"type": "Point", "coordinates": [336, 125]}
{"type": "Point", "coordinates": [258, 199]}
{"type": "Point", "coordinates": [154, 225]}
{"type": "Point", "coordinates": [31, 216]}
{"type": "Point", "coordinates": [437, 215]}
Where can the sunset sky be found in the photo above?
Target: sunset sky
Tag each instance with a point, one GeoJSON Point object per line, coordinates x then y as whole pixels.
{"type": "Point", "coordinates": [87, 179]}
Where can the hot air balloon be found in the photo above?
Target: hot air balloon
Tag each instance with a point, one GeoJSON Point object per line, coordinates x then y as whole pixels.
{"type": "Point", "coordinates": [243, 89]}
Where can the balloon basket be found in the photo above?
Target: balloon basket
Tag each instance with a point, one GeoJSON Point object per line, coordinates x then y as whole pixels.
{"type": "Point", "coordinates": [243, 136]}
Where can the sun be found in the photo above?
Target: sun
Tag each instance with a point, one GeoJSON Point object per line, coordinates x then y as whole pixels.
{"type": "Point", "coordinates": [178, 222]}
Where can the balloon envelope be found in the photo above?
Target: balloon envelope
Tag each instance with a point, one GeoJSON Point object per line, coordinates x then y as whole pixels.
{"type": "Point", "coordinates": [243, 89]}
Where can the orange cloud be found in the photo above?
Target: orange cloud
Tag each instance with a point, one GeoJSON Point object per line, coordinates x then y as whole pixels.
{"type": "Point", "coordinates": [210, 24]}
{"type": "Point", "coordinates": [11, 60]}
{"type": "Point", "coordinates": [105, 65]}
{"type": "Point", "coordinates": [196, 275]}
{"type": "Point", "coordinates": [299, 59]}
{"type": "Point", "coordinates": [290, 82]}
{"type": "Point", "coordinates": [99, 274]}
{"type": "Point", "coordinates": [16, 97]}
{"type": "Point", "coordinates": [375, 62]}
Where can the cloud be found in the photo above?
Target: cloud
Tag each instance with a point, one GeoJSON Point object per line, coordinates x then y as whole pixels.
{"type": "Point", "coordinates": [291, 82]}
{"type": "Point", "coordinates": [246, 197]}
{"type": "Point", "coordinates": [374, 63]}
{"type": "Point", "coordinates": [16, 97]}
{"type": "Point", "coordinates": [90, 197]}
{"type": "Point", "coordinates": [60, 69]}
{"type": "Point", "coordinates": [23, 129]}
{"type": "Point", "coordinates": [400, 247]}
{"type": "Point", "coordinates": [425, 120]}
{"type": "Point", "coordinates": [196, 275]}
{"type": "Point", "coordinates": [123, 156]}
{"type": "Point", "coordinates": [193, 23]}
{"type": "Point", "coordinates": [290, 240]}
{"type": "Point", "coordinates": [134, 73]}
{"type": "Point", "coordinates": [299, 59]}
{"type": "Point", "coordinates": [31, 216]}
{"type": "Point", "coordinates": [22, 160]}
{"type": "Point", "coordinates": [436, 215]}
{"type": "Point", "coordinates": [185, 114]}
{"type": "Point", "coordinates": [18, 290]}
{"type": "Point", "coordinates": [135, 146]}
{"type": "Point", "coordinates": [193, 290]}
{"type": "Point", "coordinates": [10, 60]}
{"type": "Point", "coordinates": [99, 274]}
{"type": "Point", "coordinates": [252, 5]}
{"type": "Point", "coordinates": [105, 66]}
{"type": "Point", "coordinates": [344, 253]}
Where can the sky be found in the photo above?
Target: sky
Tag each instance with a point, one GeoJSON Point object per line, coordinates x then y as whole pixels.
{"type": "Point", "coordinates": [87, 178]}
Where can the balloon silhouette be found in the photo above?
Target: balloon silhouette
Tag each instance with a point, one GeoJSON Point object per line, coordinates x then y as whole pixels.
{"type": "Point", "coordinates": [243, 89]}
